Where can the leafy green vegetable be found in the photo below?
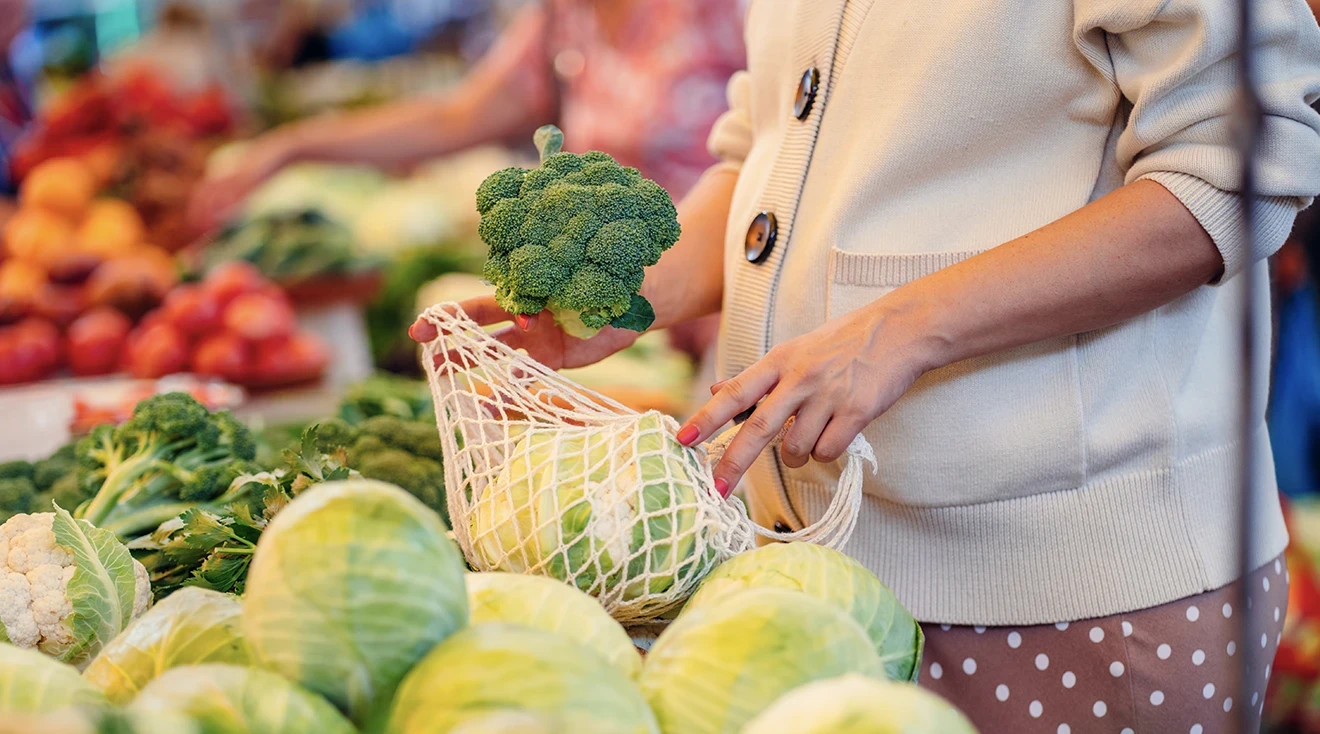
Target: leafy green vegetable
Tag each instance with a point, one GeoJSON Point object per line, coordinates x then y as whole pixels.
{"type": "Point", "coordinates": [832, 577]}
{"type": "Point", "coordinates": [32, 683]}
{"type": "Point", "coordinates": [173, 453]}
{"type": "Point", "coordinates": [229, 699]}
{"type": "Point", "coordinates": [550, 605]}
{"type": "Point", "coordinates": [574, 237]}
{"type": "Point", "coordinates": [211, 546]}
{"type": "Point", "coordinates": [556, 509]}
{"type": "Point", "coordinates": [351, 585]}
{"type": "Point", "coordinates": [855, 704]}
{"type": "Point", "coordinates": [719, 665]}
{"type": "Point", "coordinates": [289, 246]}
{"type": "Point", "coordinates": [510, 670]}
{"type": "Point", "coordinates": [188, 627]}
{"type": "Point", "coordinates": [386, 394]}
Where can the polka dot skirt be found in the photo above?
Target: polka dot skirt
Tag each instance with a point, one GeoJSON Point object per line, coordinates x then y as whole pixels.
{"type": "Point", "coordinates": [1174, 668]}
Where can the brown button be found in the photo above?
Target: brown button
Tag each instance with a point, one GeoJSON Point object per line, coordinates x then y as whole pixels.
{"type": "Point", "coordinates": [782, 528]}
{"type": "Point", "coordinates": [761, 237]}
{"type": "Point", "coordinates": [806, 94]}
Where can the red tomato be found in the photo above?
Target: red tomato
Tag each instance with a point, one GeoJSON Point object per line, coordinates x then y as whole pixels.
{"type": "Point", "coordinates": [96, 341]}
{"type": "Point", "coordinates": [156, 351]}
{"type": "Point", "coordinates": [223, 355]}
{"type": "Point", "coordinates": [299, 357]}
{"type": "Point", "coordinates": [192, 308]}
{"type": "Point", "coordinates": [29, 350]}
{"type": "Point", "coordinates": [260, 316]}
{"type": "Point", "coordinates": [233, 279]}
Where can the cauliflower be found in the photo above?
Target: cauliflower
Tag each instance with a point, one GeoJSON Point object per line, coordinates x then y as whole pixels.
{"type": "Point", "coordinates": [66, 587]}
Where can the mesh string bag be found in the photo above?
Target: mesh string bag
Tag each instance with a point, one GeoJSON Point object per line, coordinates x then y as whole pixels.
{"type": "Point", "coordinates": [546, 477]}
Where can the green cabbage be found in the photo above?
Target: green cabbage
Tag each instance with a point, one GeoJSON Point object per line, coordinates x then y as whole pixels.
{"type": "Point", "coordinates": [190, 626]}
{"type": "Point", "coordinates": [718, 665]}
{"type": "Point", "coordinates": [351, 585]}
{"type": "Point", "coordinates": [546, 604]}
{"type": "Point", "coordinates": [855, 704]}
{"type": "Point", "coordinates": [31, 683]}
{"type": "Point", "coordinates": [833, 577]}
{"type": "Point", "coordinates": [510, 669]}
{"type": "Point", "coordinates": [228, 699]}
{"type": "Point", "coordinates": [97, 721]}
{"type": "Point", "coordinates": [511, 722]}
{"type": "Point", "coordinates": [555, 510]}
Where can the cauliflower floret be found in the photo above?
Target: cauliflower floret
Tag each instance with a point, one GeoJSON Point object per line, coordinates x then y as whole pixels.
{"type": "Point", "coordinates": [34, 582]}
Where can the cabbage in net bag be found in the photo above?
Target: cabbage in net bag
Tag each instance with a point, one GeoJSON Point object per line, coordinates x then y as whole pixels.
{"type": "Point", "coordinates": [546, 477]}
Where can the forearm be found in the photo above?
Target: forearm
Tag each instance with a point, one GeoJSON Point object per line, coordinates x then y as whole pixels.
{"type": "Point", "coordinates": [688, 282]}
{"type": "Point", "coordinates": [1120, 256]}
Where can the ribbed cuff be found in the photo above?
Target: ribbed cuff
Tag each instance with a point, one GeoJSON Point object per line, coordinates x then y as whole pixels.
{"type": "Point", "coordinates": [1220, 214]}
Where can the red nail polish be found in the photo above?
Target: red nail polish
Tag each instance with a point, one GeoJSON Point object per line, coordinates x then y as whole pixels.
{"type": "Point", "coordinates": [687, 435]}
{"type": "Point", "coordinates": [523, 320]}
{"type": "Point", "coordinates": [722, 487]}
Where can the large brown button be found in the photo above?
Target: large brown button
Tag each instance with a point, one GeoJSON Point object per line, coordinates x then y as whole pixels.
{"type": "Point", "coordinates": [780, 527]}
{"type": "Point", "coordinates": [761, 237]}
{"type": "Point", "coordinates": [806, 93]}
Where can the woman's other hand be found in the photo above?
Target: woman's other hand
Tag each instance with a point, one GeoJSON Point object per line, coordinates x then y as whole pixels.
{"type": "Point", "coordinates": [217, 199]}
{"type": "Point", "coordinates": [538, 335]}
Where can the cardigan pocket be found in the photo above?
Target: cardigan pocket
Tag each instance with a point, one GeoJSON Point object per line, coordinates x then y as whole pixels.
{"type": "Point", "coordinates": [996, 427]}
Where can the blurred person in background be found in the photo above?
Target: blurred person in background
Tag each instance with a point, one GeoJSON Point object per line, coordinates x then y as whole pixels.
{"type": "Point", "coordinates": [642, 81]}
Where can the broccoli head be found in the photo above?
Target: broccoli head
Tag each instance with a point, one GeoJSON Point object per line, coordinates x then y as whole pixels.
{"type": "Point", "coordinates": [16, 496]}
{"type": "Point", "coordinates": [57, 466]}
{"type": "Point", "coordinates": [574, 236]}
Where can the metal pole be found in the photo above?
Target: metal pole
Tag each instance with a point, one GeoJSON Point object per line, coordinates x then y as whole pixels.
{"type": "Point", "coordinates": [1249, 119]}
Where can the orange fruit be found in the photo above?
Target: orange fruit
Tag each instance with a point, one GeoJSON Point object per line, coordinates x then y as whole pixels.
{"type": "Point", "coordinates": [32, 232]}
{"type": "Point", "coordinates": [64, 186]}
{"type": "Point", "coordinates": [112, 227]}
{"type": "Point", "coordinates": [20, 281]}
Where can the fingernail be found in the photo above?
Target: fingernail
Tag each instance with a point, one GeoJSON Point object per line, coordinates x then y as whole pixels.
{"type": "Point", "coordinates": [688, 434]}
{"type": "Point", "coordinates": [523, 320]}
{"type": "Point", "coordinates": [422, 331]}
{"type": "Point", "coordinates": [722, 487]}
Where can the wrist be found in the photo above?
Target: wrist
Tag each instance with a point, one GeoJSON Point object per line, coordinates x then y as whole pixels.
{"type": "Point", "coordinates": [911, 326]}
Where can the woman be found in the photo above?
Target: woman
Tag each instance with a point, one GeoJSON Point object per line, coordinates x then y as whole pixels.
{"type": "Point", "coordinates": [1002, 242]}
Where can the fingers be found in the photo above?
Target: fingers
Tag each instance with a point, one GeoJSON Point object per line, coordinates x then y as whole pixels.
{"type": "Point", "coordinates": [834, 440]}
{"type": "Point", "coordinates": [423, 331]}
{"type": "Point", "coordinates": [801, 438]}
{"type": "Point", "coordinates": [485, 311]}
{"type": "Point", "coordinates": [717, 387]}
{"type": "Point", "coordinates": [755, 434]}
{"type": "Point", "coordinates": [737, 395]}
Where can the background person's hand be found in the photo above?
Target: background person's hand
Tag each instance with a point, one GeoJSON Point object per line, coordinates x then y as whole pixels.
{"type": "Point", "coordinates": [833, 381]}
{"type": "Point", "coordinates": [217, 199]}
{"type": "Point", "coordinates": [539, 335]}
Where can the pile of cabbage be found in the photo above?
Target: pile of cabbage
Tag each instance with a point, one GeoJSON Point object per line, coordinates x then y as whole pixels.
{"type": "Point", "coordinates": [361, 617]}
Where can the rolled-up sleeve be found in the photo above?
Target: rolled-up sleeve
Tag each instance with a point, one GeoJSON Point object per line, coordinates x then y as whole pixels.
{"type": "Point", "coordinates": [1175, 63]}
{"type": "Point", "coordinates": [731, 138]}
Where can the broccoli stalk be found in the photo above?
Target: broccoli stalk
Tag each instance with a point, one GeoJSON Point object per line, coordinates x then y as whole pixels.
{"type": "Point", "coordinates": [172, 450]}
{"type": "Point", "coordinates": [574, 237]}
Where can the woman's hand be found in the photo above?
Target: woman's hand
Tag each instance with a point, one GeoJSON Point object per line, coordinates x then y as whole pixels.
{"type": "Point", "coordinates": [539, 335]}
{"type": "Point", "coordinates": [832, 381]}
{"type": "Point", "coordinates": [216, 200]}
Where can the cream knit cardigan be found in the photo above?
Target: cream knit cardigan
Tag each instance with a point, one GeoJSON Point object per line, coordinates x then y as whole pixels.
{"type": "Point", "coordinates": [1083, 476]}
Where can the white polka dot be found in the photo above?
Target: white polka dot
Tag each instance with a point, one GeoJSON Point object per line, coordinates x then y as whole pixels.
{"type": "Point", "coordinates": [1127, 731]}
{"type": "Point", "coordinates": [1127, 629]}
{"type": "Point", "coordinates": [1265, 583]}
{"type": "Point", "coordinates": [936, 671]}
{"type": "Point", "coordinates": [1001, 692]}
{"type": "Point", "coordinates": [1097, 634]}
{"type": "Point", "coordinates": [1061, 626]}
{"type": "Point", "coordinates": [1254, 698]}
{"type": "Point", "coordinates": [1208, 692]}
{"type": "Point", "coordinates": [1278, 639]}
{"type": "Point", "coordinates": [1014, 640]}
{"type": "Point", "coordinates": [1228, 705]}
{"type": "Point", "coordinates": [1267, 670]}
{"type": "Point", "coordinates": [1036, 709]}
{"type": "Point", "coordinates": [1264, 640]}
{"type": "Point", "coordinates": [1099, 709]}
{"type": "Point", "coordinates": [945, 627]}
{"type": "Point", "coordinates": [1196, 729]}
{"type": "Point", "coordinates": [1278, 567]}
{"type": "Point", "coordinates": [1198, 657]}
{"type": "Point", "coordinates": [1276, 614]}
{"type": "Point", "coordinates": [969, 666]}
{"type": "Point", "coordinates": [979, 630]}
{"type": "Point", "coordinates": [1228, 612]}
{"type": "Point", "coordinates": [1193, 614]}
{"type": "Point", "coordinates": [1069, 680]}
{"type": "Point", "coordinates": [1042, 661]}
{"type": "Point", "coordinates": [1116, 669]}
{"type": "Point", "coordinates": [1163, 652]}
{"type": "Point", "coordinates": [1156, 698]}
{"type": "Point", "coordinates": [1232, 647]}
{"type": "Point", "coordinates": [1064, 729]}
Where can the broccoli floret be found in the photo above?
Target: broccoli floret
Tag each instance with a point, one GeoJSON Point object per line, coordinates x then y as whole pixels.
{"type": "Point", "coordinates": [422, 477]}
{"type": "Point", "coordinates": [48, 471]}
{"type": "Point", "coordinates": [415, 437]}
{"type": "Point", "coordinates": [172, 449]}
{"type": "Point", "coordinates": [16, 496]}
{"type": "Point", "coordinates": [386, 394]}
{"type": "Point", "coordinates": [574, 236]}
{"type": "Point", "coordinates": [16, 470]}
{"type": "Point", "coordinates": [65, 492]}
